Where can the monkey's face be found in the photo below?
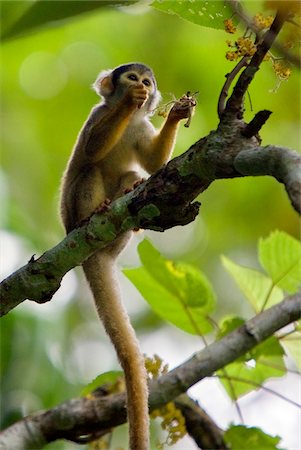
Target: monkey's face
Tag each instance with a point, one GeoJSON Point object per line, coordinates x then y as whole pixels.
{"type": "Point", "coordinates": [112, 84]}
{"type": "Point", "coordinates": [143, 78]}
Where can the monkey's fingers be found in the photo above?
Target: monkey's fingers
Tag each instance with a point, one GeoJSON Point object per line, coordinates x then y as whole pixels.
{"type": "Point", "coordinates": [103, 207]}
{"type": "Point", "coordinates": [136, 184]}
{"type": "Point", "coordinates": [187, 124]}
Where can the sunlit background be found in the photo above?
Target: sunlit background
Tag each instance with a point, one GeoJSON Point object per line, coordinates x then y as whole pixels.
{"type": "Point", "coordinates": [51, 351]}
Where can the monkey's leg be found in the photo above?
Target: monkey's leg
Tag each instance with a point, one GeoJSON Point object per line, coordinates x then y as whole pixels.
{"type": "Point", "coordinates": [91, 196]}
{"type": "Point", "coordinates": [128, 182]}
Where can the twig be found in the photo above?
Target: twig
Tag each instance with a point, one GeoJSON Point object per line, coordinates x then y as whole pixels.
{"type": "Point", "coordinates": [235, 103]}
{"type": "Point", "coordinates": [253, 128]}
{"type": "Point", "coordinates": [239, 11]}
{"type": "Point", "coordinates": [200, 426]}
{"type": "Point", "coordinates": [229, 80]}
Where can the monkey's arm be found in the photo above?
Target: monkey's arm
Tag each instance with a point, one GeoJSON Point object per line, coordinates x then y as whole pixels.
{"type": "Point", "coordinates": [161, 147]}
{"type": "Point", "coordinates": [107, 131]}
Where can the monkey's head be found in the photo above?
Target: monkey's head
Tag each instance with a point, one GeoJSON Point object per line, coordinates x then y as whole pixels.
{"type": "Point", "coordinates": [112, 84]}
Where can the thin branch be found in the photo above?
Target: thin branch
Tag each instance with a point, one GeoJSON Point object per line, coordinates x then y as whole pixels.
{"type": "Point", "coordinates": [82, 417]}
{"type": "Point", "coordinates": [253, 128]}
{"type": "Point", "coordinates": [200, 426]}
{"type": "Point", "coordinates": [235, 102]}
{"type": "Point", "coordinates": [229, 80]}
{"type": "Point", "coordinates": [240, 12]}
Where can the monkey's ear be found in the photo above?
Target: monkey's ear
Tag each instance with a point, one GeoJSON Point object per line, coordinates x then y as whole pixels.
{"type": "Point", "coordinates": [103, 84]}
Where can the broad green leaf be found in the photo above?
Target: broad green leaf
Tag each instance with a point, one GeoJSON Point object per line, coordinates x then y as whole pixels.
{"type": "Point", "coordinates": [177, 292]}
{"type": "Point", "coordinates": [253, 369]}
{"type": "Point", "coordinates": [257, 287]}
{"type": "Point", "coordinates": [239, 437]}
{"type": "Point", "coordinates": [292, 343]}
{"type": "Point", "coordinates": [41, 13]}
{"type": "Point", "coordinates": [280, 256]}
{"type": "Point", "coordinates": [228, 324]}
{"type": "Point", "coordinates": [204, 13]}
{"type": "Point", "coordinates": [105, 378]}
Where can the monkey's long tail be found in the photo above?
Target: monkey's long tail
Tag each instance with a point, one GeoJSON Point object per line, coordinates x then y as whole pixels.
{"type": "Point", "coordinates": [100, 271]}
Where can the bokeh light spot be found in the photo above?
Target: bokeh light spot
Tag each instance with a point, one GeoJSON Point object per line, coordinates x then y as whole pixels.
{"type": "Point", "coordinates": [42, 75]}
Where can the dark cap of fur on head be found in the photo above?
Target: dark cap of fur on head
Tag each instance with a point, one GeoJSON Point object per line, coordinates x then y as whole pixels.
{"type": "Point", "coordinates": [138, 67]}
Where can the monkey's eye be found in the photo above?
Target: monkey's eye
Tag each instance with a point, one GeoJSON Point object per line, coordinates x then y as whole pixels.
{"type": "Point", "coordinates": [132, 77]}
{"type": "Point", "coordinates": [146, 82]}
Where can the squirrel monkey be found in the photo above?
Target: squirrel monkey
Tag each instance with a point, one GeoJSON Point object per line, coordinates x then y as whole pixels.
{"type": "Point", "coordinates": [116, 140]}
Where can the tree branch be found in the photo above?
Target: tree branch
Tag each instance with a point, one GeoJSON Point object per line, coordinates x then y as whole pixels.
{"type": "Point", "coordinates": [199, 425]}
{"type": "Point", "coordinates": [235, 103]}
{"type": "Point", "coordinates": [90, 416]}
{"type": "Point", "coordinates": [163, 201]}
{"type": "Point", "coordinates": [237, 9]}
{"type": "Point", "coordinates": [278, 162]}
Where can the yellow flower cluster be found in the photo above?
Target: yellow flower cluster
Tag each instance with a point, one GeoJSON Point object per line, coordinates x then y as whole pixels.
{"type": "Point", "coordinates": [229, 26]}
{"type": "Point", "coordinates": [173, 422]}
{"type": "Point", "coordinates": [244, 46]}
{"type": "Point", "coordinates": [282, 70]}
{"type": "Point", "coordinates": [155, 367]}
{"type": "Point", "coordinates": [262, 22]}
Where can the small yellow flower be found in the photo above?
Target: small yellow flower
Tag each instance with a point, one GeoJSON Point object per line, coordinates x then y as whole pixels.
{"type": "Point", "coordinates": [173, 422]}
{"type": "Point", "coordinates": [262, 22]}
{"type": "Point", "coordinates": [229, 26]}
{"type": "Point", "coordinates": [245, 46]}
{"type": "Point", "coordinates": [232, 56]}
{"type": "Point", "coordinates": [282, 70]}
{"type": "Point", "coordinates": [155, 366]}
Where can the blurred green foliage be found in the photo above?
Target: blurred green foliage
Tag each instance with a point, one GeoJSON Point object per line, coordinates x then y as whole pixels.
{"type": "Point", "coordinates": [46, 97]}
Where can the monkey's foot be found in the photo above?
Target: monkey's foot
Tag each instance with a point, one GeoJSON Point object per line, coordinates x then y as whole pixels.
{"type": "Point", "coordinates": [136, 184]}
{"type": "Point", "coordinates": [104, 206]}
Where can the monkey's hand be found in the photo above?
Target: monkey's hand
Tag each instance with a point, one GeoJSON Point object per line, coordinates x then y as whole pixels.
{"type": "Point", "coordinates": [137, 95]}
{"type": "Point", "coordinates": [183, 108]}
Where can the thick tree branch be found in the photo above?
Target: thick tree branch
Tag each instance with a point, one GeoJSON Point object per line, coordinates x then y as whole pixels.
{"type": "Point", "coordinates": [279, 162]}
{"type": "Point", "coordinates": [84, 418]}
{"type": "Point", "coordinates": [163, 201]}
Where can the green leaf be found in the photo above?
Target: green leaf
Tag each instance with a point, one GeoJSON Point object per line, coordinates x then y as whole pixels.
{"type": "Point", "coordinates": [228, 324]}
{"type": "Point", "coordinates": [43, 13]}
{"type": "Point", "coordinates": [177, 292]}
{"type": "Point", "coordinates": [239, 437]}
{"type": "Point", "coordinates": [280, 256]}
{"type": "Point", "coordinates": [107, 378]}
{"type": "Point", "coordinates": [256, 287]}
{"type": "Point", "coordinates": [204, 13]}
{"type": "Point", "coordinates": [253, 369]}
